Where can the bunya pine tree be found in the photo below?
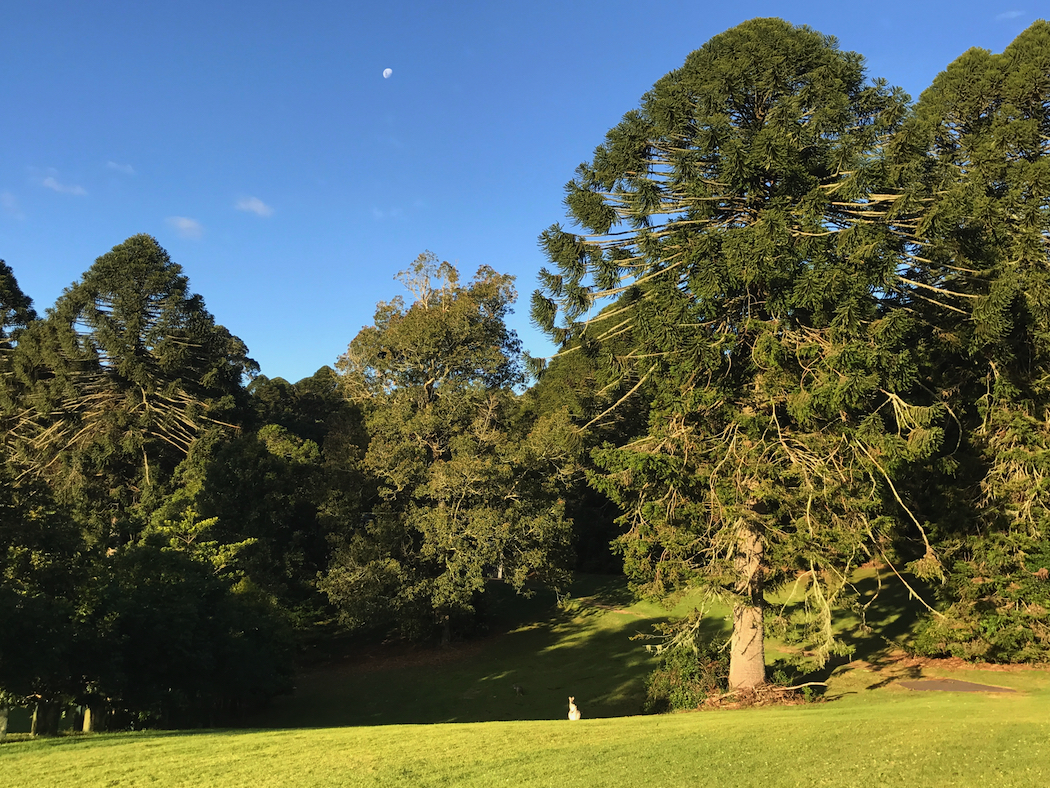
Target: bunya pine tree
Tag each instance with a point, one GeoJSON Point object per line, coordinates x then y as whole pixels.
{"type": "Point", "coordinates": [980, 257]}
{"type": "Point", "coordinates": [740, 220]}
{"type": "Point", "coordinates": [111, 389]}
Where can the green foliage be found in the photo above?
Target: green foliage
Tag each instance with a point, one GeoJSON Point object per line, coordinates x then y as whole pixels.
{"type": "Point", "coordinates": [260, 493]}
{"type": "Point", "coordinates": [997, 594]}
{"type": "Point", "coordinates": [42, 567]}
{"type": "Point", "coordinates": [112, 388]}
{"type": "Point", "coordinates": [308, 409]}
{"type": "Point", "coordinates": [743, 216]}
{"type": "Point", "coordinates": [585, 380]}
{"type": "Point", "coordinates": [115, 588]}
{"type": "Point", "coordinates": [16, 308]}
{"type": "Point", "coordinates": [465, 491]}
{"type": "Point", "coordinates": [687, 676]}
{"type": "Point", "coordinates": [980, 249]}
{"type": "Point", "coordinates": [451, 336]}
{"type": "Point", "coordinates": [174, 643]}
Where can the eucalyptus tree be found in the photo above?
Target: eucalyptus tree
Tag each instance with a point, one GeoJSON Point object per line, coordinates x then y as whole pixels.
{"type": "Point", "coordinates": [981, 258]}
{"type": "Point", "coordinates": [464, 493]}
{"type": "Point", "coordinates": [740, 217]}
{"type": "Point", "coordinates": [111, 389]}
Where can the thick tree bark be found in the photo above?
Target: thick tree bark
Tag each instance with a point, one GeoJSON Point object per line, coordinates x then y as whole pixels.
{"type": "Point", "coordinates": [4, 708]}
{"type": "Point", "coordinates": [747, 657]}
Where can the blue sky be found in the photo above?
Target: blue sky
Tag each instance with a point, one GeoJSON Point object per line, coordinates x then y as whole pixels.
{"type": "Point", "coordinates": [261, 145]}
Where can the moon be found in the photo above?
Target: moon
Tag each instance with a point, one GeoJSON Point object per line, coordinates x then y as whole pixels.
{"type": "Point", "coordinates": [387, 72]}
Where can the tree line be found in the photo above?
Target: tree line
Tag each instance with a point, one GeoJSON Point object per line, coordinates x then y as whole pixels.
{"type": "Point", "coordinates": [803, 324]}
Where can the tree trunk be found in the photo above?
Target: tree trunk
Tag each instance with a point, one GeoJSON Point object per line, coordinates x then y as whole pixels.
{"type": "Point", "coordinates": [45, 719]}
{"type": "Point", "coordinates": [92, 719]}
{"type": "Point", "coordinates": [747, 656]}
{"type": "Point", "coordinates": [4, 708]}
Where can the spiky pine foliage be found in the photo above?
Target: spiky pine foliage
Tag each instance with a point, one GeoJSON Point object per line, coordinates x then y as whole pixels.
{"type": "Point", "coordinates": [983, 255]}
{"type": "Point", "coordinates": [109, 391]}
{"type": "Point", "coordinates": [16, 313]}
{"type": "Point", "coordinates": [743, 215]}
{"type": "Point", "coordinates": [16, 308]}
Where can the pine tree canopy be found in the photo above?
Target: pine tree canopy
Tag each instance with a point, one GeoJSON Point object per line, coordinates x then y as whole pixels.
{"type": "Point", "coordinates": [982, 254]}
{"type": "Point", "coordinates": [747, 220]}
{"type": "Point", "coordinates": [123, 374]}
{"type": "Point", "coordinates": [16, 308]}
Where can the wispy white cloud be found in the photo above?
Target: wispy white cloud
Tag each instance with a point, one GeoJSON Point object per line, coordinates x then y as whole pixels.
{"type": "Point", "coordinates": [186, 227]}
{"type": "Point", "coordinates": [10, 205]}
{"type": "Point", "coordinates": [1008, 15]}
{"type": "Point", "coordinates": [54, 184]}
{"type": "Point", "coordinates": [254, 205]}
{"type": "Point", "coordinates": [379, 214]}
{"type": "Point", "coordinates": [127, 169]}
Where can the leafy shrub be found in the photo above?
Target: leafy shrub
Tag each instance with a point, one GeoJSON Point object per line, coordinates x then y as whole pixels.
{"type": "Point", "coordinates": [687, 676]}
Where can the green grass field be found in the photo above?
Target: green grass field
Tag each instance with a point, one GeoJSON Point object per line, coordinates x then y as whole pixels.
{"type": "Point", "coordinates": [410, 718]}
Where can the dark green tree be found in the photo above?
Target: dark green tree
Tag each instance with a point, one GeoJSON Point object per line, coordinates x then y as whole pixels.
{"type": "Point", "coordinates": [41, 558]}
{"type": "Point", "coordinates": [580, 381]}
{"type": "Point", "coordinates": [42, 569]}
{"type": "Point", "coordinates": [308, 408]}
{"type": "Point", "coordinates": [174, 643]}
{"type": "Point", "coordinates": [16, 308]}
{"type": "Point", "coordinates": [16, 312]}
{"type": "Point", "coordinates": [463, 492]}
{"type": "Point", "coordinates": [112, 388]}
{"type": "Point", "coordinates": [980, 260]}
{"type": "Point", "coordinates": [114, 594]}
{"type": "Point", "coordinates": [743, 219]}
{"type": "Point", "coordinates": [259, 494]}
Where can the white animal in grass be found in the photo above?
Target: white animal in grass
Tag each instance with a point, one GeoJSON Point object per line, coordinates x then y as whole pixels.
{"type": "Point", "coordinates": [574, 713]}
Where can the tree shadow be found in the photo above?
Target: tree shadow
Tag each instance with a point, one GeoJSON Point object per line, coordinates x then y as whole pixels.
{"type": "Point", "coordinates": [588, 647]}
{"type": "Point", "coordinates": [876, 631]}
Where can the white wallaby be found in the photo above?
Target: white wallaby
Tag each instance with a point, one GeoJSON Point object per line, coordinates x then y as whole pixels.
{"type": "Point", "coordinates": [574, 713]}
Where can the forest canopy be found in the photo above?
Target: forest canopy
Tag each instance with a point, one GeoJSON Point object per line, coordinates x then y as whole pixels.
{"type": "Point", "coordinates": [803, 324]}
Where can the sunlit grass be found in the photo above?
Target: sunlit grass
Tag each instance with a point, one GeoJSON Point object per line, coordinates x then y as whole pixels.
{"type": "Point", "coordinates": [349, 723]}
{"type": "Point", "coordinates": [888, 737]}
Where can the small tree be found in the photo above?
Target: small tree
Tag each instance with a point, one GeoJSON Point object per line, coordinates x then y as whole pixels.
{"type": "Point", "coordinates": [463, 492]}
{"type": "Point", "coordinates": [16, 308]}
{"type": "Point", "coordinates": [42, 572]}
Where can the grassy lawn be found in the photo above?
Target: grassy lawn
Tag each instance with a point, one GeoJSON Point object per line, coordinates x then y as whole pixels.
{"type": "Point", "coordinates": [583, 649]}
{"type": "Point", "coordinates": [410, 718]}
{"type": "Point", "coordinates": [881, 738]}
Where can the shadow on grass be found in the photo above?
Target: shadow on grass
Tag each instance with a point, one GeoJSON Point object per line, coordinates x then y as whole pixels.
{"type": "Point", "coordinates": [537, 655]}
{"type": "Point", "coordinates": [77, 739]}
{"type": "Point", "coordinates": [588, 648]}
{"type": "Point", "coordinates": [879, 633]}
{"type": "Point", "coordinates": [525, 672]}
